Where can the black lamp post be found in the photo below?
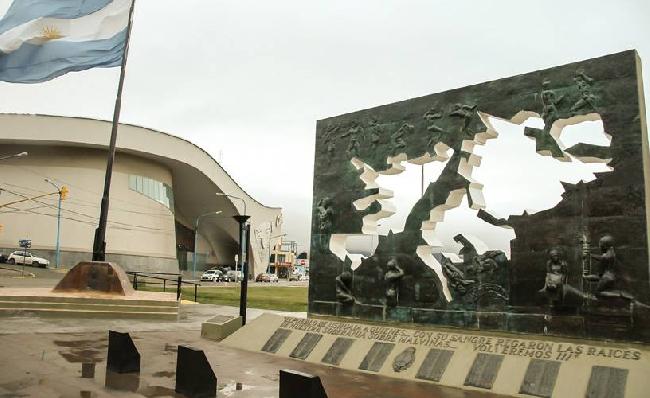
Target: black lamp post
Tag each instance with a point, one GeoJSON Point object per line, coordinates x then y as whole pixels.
{"type": "Point", "coordinates": [244, 236]}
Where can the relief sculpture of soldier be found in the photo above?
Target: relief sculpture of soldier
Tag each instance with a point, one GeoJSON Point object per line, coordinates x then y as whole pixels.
{"type": "Point", "coordinates": [398, 138]}
{"type": "Point", "coordinates": [392, 277]}
{"type": "Point", "coordinates": [375, 132]}
{"type": "Point", "coordinates": [587, 101]}
{"type": "Point", "coordinates": [607, 279]}
{"type": "Point", "coordinates": [556, 278]}
{"type": "Point", "coordinates": [344, 289]}
{"type": "Point", "coordinates": [324, 217]}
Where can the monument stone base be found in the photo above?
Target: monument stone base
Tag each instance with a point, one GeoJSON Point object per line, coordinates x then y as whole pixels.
{"type": "Point", "coordinates": [501, 363]}
{"type": "Point", "coordinates": [91, 289]}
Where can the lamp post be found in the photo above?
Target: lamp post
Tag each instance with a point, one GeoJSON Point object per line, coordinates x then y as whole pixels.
{"type": "Point", "coordinates": [16, 155]}
{"type": "Point", "coordinates": [58, 223]}
{"type": "Point", "coordinates": [244, 237]}
{"type": "Point", "coordinates": [196, 235]}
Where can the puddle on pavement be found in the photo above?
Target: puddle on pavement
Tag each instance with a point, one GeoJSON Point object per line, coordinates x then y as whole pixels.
{"type": "Point", "coordinates": [230, 388]}
{"type": "Point", "coordinates": [83, 350]}
{"type": "Point", "coordinates": [164, 373]}
{"type": "Point", "coordinates": [122, 381]}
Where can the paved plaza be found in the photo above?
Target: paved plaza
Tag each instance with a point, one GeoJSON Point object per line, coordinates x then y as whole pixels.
{"type": "Point", "coordinates": [48, 354]}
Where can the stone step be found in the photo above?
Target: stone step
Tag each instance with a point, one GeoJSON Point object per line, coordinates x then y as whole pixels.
{"type": "Point", "coordinates": [72, 313]}
{"type": "Point", "coordinates": [119, 306]}
{"type": "Point", "coordinates": [88, 300]}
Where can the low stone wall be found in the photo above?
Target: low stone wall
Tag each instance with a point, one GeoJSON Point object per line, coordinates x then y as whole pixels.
{"type": "Point", "coordinates": [128, 262]}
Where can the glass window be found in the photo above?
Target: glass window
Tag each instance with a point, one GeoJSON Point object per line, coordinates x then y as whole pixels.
{"type": "Point", "coordinates": [155, 190]}
{"type": "Point", "coordinates": [147, 187]}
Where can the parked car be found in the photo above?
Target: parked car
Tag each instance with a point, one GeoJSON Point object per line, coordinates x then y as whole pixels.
{"type": "Point", "coordinates": [234, 276]}
{"type": "Point", "coordinates": [264, 277]}
{"type": "Point", "coordinates": [3, 258]}
{"type": "Point", "coordinates": [213, 275]}
{"type": "Point", "coordinates": [295, 276]}
{"type": "Point", "coordinates": [20, 257]}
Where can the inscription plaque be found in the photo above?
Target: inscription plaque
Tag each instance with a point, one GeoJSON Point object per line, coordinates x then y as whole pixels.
{"type": "Point", "coordinates": [376, 357]}
{"type": "Point", "coordinates": [434, 365]}
{"type": "Point", "coordinates": [607, 382]}
{"type": "Point", "coordinates": [306, 345]}
{"type": "Point", "coordinates": [484, 371]}
{"type": "Point", "coordinates": [540, 378]}
{"type": "Point", "coordinates": [337, 351]}
{"type": "Point", "coordinates": [275, 342]}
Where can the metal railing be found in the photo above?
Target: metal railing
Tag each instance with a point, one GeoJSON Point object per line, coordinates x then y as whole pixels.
{"type": "Point", "coordinates": [177, 279]}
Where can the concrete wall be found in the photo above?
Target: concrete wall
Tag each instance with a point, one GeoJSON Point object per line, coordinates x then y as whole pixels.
{"type": "Point", "coordinates": [138, 227]}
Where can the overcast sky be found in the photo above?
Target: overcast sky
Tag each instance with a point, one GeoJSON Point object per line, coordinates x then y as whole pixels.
{"type": "Point", "coordinates": [247, 80]}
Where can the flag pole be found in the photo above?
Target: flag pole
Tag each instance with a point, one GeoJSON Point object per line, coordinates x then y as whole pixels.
{"type": "Point", "coordinates": [99, 244]}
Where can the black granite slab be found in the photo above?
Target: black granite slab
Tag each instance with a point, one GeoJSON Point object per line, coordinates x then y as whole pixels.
{"type": "Point", "coordinates": [540, 378]}
{"type": "Point", "coordinates": [376, 357]}
{"type": "Point", "coordinates": [274, 342]}
{"type": "Point", "coordinates": [306, 345]}
{"type": "Point", "coordinates": [337, 351]}
{"type": "Point", "coordinates": [434, 365]}
{"type": "Point", "coordinates": [484, 370]}
{"type": "Point", "coordinates": [607, 382]}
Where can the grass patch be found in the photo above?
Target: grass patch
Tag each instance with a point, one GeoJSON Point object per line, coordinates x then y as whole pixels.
{"type": "Point", "coordinates": [279, 298]}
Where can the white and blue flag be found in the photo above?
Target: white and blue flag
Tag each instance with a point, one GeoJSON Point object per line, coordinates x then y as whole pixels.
{"type": "Point", "coordinates": [44, 39]}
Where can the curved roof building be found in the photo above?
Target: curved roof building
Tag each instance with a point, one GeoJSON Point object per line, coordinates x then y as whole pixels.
{"type": "Point", "coordinates": [161, 186]}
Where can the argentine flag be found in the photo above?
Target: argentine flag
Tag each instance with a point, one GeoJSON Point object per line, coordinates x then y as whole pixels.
{"type": "Point", "coordinates": [44, 39]}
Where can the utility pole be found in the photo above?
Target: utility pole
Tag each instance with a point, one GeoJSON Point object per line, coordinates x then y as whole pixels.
{"type": "Point", "coordinates": [63, 191]}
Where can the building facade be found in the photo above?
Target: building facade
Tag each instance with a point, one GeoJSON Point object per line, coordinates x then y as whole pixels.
{"type": "Point", "coordinates": [163, 187]}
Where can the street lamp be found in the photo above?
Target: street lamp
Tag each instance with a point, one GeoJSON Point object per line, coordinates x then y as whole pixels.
{"type": "Point", "coordinates": [244, 237]}
{"type": "Point", "coordinates": [233, 197]}
{"type": "Point", "coordinates": [16, 155]}
{"type": "Point", "coordinates": [196, 235]}
{"type": "Point", "coordinates": [58, 221]}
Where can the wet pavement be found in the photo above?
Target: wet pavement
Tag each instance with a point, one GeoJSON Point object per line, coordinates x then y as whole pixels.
{"type": "Point", "coordinates": [58, 357]}
{"type": "Point", "coordinates": [74, 365]}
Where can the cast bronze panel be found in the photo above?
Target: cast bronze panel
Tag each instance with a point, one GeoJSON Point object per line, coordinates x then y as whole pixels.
{"type": "Point", "coordinates": [376, 357]}
{"type": "Point", "coordinates": [337, 351]}
{"type": "Point", "coordinates": [274, 342]}
{"type": "Point", "coordinates": [540, 378]}
{"type": "Point", "coordinates": [434, 365]}
{"type": "Point", "coordinates": [484, 371]}
{"type": "Point", "coordinates": [306, 345]}
{"type": "Point", "coordinates": [607, 382]}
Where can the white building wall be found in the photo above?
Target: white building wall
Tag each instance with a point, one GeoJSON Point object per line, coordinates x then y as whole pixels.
{"type": "Point", "coordinates": [137, 225]}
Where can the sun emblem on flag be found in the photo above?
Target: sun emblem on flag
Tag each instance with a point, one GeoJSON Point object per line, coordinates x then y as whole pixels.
{"type": "Point", "coordinates": [51, 33]}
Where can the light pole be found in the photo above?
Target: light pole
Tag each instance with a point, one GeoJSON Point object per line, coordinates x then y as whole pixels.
{"type": "Point", "coordinates": [234, 197]}
{"type": "Point", "coordinates": [58, 223]}
{"type": "Point", "coordinates": [196, 235]}
{"type": "Point", "coordinates": [243, 259]}
{"type": "Point", "coordinates": [16, 155]}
